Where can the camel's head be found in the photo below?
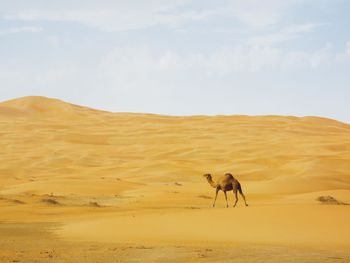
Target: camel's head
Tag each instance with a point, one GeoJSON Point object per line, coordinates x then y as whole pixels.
{"type": "Point", "coordinates": [208, 176]}
{"type": "Point", "coordinates": [228, 174]}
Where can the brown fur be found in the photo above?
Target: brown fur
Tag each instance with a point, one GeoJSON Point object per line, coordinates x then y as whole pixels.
{"type": "Point", "coordinates": [226, 183]}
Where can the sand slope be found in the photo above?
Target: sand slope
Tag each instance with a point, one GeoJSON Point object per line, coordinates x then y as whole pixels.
{"type": "Point", "coordinates": [137, 178]}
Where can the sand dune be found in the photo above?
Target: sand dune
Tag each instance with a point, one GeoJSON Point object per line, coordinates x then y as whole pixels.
{"type": "Point", "coordinates": [128, 178]}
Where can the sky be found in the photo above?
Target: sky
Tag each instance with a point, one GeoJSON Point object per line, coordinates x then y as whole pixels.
{"type": "Point", "coordinates": [180, 57]}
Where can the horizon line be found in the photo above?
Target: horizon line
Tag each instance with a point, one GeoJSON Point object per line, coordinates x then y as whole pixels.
{"type": "Point", "coordinates": [172, 115]}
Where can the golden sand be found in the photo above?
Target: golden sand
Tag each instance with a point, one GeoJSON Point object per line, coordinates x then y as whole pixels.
{"type": "Point", "coordinates": [123, 187]}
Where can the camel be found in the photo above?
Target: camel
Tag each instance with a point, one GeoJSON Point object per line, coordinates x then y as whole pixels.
{"type": "Point", "coordinates": [226, 183]}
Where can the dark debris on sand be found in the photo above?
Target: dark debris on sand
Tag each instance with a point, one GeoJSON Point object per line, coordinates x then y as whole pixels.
{"type": "Point", "coordinates": [330, 200]}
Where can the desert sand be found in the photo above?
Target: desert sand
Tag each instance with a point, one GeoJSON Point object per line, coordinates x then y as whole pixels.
{"type": "Point", "coordinates": [83, 185]}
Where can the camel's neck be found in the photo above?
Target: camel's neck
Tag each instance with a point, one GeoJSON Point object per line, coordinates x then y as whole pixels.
{"type": "Point", "coordinates": [211, 182]}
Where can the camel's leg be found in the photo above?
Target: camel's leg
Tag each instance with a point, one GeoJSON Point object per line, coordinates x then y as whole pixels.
{"type": "Point", "coordinates": [241, 192]}
{"type": "Point", "coordinates": [216, 195]}
{"type": "Point", "coordinates": [235, 193]}
{"type": "Point", "coordinates": [226, 198]}
{"type": "Point", "coordinates": [244, 198]}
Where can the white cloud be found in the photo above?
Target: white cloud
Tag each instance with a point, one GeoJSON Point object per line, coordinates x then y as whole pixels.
{"type": "Point", "coordinates": [138, 14]}
{"type": "Point", "coordinates": [147, 80]}
{"type": "Point", "coordinates": [119, 17]}
{"type": "Point", "coordinates": [127, 64]}
{"type": "Point", "coordinates": [24, 29]}
{"type": "Point", "coordinates": [285, 34]}
{"type": "Point", "coordinates": [242, 59]}
{"type": "Point", "coordinates": [260, 14]}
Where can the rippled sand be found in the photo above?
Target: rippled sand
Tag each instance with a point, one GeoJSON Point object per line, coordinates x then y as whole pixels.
{"type": "Point", "coordinates": [81, 185]}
